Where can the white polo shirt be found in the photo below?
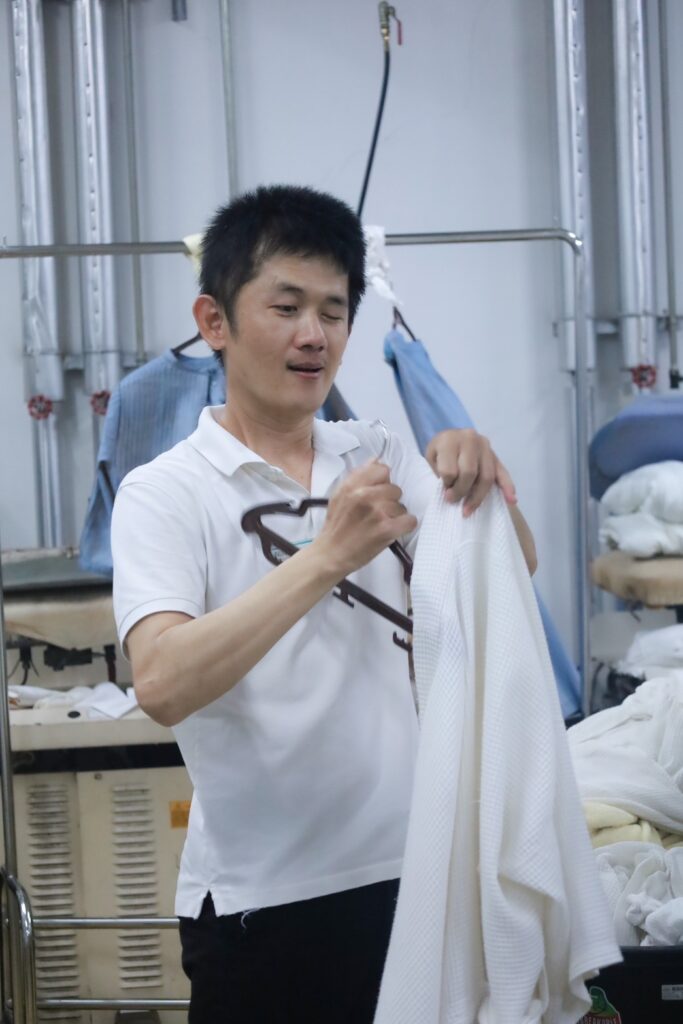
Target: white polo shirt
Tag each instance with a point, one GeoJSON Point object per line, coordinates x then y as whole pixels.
{"type": "Point", "coordinates": [302, 772]}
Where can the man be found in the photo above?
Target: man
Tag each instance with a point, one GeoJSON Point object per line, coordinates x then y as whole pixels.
{"type": "Point", "coordinates": [293, 711]}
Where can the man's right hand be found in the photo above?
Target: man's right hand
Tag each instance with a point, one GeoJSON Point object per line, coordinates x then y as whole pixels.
{"type": "Point", "coordinates": [364, 516]}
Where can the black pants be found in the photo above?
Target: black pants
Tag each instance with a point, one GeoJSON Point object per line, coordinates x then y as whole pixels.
{"type": "Point", "coordinates": [318, 961]}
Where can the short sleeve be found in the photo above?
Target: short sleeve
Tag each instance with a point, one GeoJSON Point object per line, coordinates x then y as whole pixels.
{"type": "Point", "coordinates": [413, 474]}
{"type": "Point", "coordinates": [157, 551]}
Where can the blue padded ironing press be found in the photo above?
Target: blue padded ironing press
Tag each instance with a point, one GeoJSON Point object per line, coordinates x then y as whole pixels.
{"type": "Point", "coordinates": [648, 430]}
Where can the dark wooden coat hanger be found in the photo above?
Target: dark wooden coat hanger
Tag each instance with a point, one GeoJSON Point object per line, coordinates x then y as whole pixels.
{"type": "Point", "coordinates": [276, 548]}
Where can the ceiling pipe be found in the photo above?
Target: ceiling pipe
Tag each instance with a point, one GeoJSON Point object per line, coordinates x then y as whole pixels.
{"type": "Point", "coordinates": [574, 164]}
{"type": "Point", "coordinates": [102, 357]}
{"type": "Point", "coordinates": [638, 321]}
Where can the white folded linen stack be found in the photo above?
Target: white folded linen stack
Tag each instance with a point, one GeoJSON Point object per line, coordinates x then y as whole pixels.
{"type": "Point", "coordinates": [645, 511]}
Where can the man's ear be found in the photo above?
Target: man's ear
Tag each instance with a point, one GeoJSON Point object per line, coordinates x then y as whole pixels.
{"type": "Point", "coordinates": [211, 321]}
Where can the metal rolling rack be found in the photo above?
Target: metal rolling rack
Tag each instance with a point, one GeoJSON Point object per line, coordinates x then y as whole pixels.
{"type": "Point", "coordinates": [18, 997]}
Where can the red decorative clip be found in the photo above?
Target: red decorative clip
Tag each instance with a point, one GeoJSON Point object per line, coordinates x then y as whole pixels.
{"type": "Point", "coordinates": [644, 376]}
{"type": "Point", "coordinates": [39, 407]}
{"type": "Point", "coordinates": [399, 30]}
{"type": "Point", "coordinates": [99, 402]}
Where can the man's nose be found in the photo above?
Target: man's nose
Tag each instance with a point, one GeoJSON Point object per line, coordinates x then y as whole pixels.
{"type": "Point", "coordinates": [310, 331]}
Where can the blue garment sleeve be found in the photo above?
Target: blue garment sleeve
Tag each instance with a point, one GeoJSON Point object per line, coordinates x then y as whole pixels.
{"type": "Point", "coordinates": [431, 406]}
{"type": "Point", "coordinates": [152, 409]}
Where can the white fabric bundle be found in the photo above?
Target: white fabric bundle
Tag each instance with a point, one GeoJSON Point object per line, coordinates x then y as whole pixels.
{"type": "Point", "coordinates": [104, 700]}
{"type": "Point", "coordinates": [500, 915]}
{"type": "Point", "coordinates": [646, 511]}
{"type": "Point", "coordinates": [656, 489]}
{"type": "Point", "coordinates": [377, 269]}
{"type": "Point", "coordinates": [642, 535]}
{"type": "Point", "coordinates": [631, 756]}
{"type": "Point", "coordinates": [654, 652]}
{"type": "Point", "coordinates": [644, 887]}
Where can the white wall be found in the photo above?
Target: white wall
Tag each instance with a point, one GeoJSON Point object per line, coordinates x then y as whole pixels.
{"type": "Point", "coordinates": [467, 143]}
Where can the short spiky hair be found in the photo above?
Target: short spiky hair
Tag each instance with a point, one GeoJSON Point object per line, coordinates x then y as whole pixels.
{"type": "Point", "coordinates": [280, 220]}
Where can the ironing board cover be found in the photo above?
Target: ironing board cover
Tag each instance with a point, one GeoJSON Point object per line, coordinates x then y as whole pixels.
{"type": "Point", "coordinates": [648, 430]}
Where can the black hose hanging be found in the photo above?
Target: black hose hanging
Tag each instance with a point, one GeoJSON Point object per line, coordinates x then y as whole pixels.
{"type": "Point", "coordinates": [375, 134]}
{"type": "Point", "coordinates": [398, 318]}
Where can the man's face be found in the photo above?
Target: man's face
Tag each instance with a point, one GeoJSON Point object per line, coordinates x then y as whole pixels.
{"type": "Point", "coordinates": [291, 325]}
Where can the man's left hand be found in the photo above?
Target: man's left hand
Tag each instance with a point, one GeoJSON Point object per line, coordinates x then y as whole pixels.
{"type": "Point", "coordinates": [468, 467]}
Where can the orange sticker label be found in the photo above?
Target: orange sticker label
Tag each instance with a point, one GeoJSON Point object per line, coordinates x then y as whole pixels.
{"type": "Point", "coordinates": [180, 813]}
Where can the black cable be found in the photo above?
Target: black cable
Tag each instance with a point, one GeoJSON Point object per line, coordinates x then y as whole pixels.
{"type": "Point", "coordinates": [375, 134]}
{"type": "Point", "coordinates": [371, 159]}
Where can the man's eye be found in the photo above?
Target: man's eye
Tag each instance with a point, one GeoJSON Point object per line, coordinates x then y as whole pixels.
{"type": "Point", "coordinates": [334, 319]}
{"type": "Point", "coordinates": [286, 309]}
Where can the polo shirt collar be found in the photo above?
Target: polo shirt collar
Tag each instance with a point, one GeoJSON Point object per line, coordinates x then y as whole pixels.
{"type": "Point", "coordinates": [227, 454]}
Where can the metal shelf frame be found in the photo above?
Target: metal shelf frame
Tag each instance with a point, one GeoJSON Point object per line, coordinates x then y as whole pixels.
{"type": "Point", "coordinates": [19, 1003]}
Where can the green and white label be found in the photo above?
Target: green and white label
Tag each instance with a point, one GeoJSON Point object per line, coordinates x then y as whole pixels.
{"type": "Point", "coordinates": [602, 1010]}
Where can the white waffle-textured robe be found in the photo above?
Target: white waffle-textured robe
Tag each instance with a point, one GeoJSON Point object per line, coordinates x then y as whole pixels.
{"type": "Point", "coordinates": [501, 914]}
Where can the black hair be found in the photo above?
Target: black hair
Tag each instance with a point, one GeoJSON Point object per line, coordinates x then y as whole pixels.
{"type": "Point", "coordinates": [279, 219]}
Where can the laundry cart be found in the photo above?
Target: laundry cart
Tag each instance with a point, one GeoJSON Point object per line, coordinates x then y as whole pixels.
{"type": "Point", "coordinates": [101, 816]}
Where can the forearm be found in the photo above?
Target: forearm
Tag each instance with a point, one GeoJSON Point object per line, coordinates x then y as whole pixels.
{"type": "Point", "coordinates": [192, 664]}
{"type": "Point", "coordinates": [525, 537]}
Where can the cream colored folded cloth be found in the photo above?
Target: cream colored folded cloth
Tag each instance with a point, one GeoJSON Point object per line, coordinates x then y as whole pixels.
{"type": "Point", "coordinates": [608, 824]}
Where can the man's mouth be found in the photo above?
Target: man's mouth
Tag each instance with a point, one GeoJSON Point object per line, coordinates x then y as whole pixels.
{"type": "Point", "coordinates": [306, 369]}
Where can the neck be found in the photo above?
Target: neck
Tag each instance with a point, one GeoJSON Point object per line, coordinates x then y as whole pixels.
{"type": "Point", "coordinates": [279, 441]}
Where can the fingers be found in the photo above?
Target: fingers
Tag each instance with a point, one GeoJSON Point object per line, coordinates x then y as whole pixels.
{"type": "Point", "coordinates": [378, 493]}
{"type": "Point", "coordinates": [504, 481]}
{"type": "Point", "coordinates": [468, 468]}
{"type": "Point", "coordinates": [459, 463]}
{"type": "Point", "coordinates": [364, 516]}
{"type": "Point", "coordinates": [483, 484]}
{"type": "Point", "coordinates": [405, 523]}
{"type": "Point", "coordinates": [370, 474]}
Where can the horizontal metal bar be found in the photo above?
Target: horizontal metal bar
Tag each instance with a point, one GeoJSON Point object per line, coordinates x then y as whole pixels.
{"type": "Point", "coordinates": [465, 237]}
{"type": "Point", "coordinates": [104, 922]}
{"type": "Point", "coordinates": [113, 1004]}
{"type": "Point", "coordinates": [9, 252]}
{"type": "Point", "coordinates": [14, 252]}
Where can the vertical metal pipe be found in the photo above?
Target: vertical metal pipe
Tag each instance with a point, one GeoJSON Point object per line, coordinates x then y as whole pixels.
{"type": "Point", "coordinates": [672, 324]}
{"type": "Point", "coordinates": [6, 782]}
{"type": "Point", "coordinates": [48, 448]}
{"type": "Point", "coordinates": [229, 98]}
{"type": "Point", "coordinates": [582, 489]}
{"type": "Point", "coordinates": [133, 192]}
{"type": "Point", "coordinates": [39, 292]}
{"type": "Point", "coordinates": [9, 833]}
{"type": "Point", "coordinates": [636, 260]}
{"type": "Point", "coordinates": [102, 353]}
{"type": "Point", "coordinates": [574, 163]}
{"type": "Point", "coordinates": [22, 950]}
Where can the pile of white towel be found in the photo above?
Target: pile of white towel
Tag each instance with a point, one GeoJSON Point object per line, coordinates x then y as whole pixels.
{"type": "Point", "coordinates": [628, 762]}
{"type": "Point", "coordinates": [654, 653]}
{"type": "Point", "coordinates": [644, 887]}
{"type": "Point", "coordinates": [645, 511]}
